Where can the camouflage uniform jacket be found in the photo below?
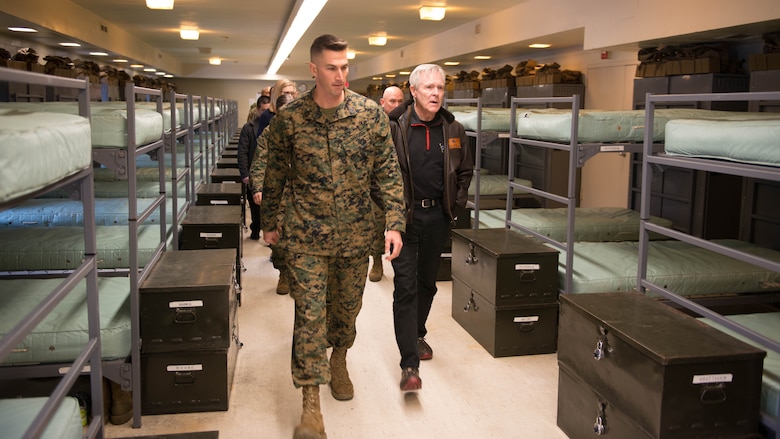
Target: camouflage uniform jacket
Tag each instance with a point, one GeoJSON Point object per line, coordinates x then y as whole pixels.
{"type": "Point", "coordinates": [328, 163]}
{"type": "Point", "coordinates": [257, 167]}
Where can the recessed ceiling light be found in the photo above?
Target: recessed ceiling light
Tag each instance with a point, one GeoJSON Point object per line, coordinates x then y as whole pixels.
{"type": "Point", "coordinates": [21, 29]}
{"type": "Point", "coordinates": [98, 53]}
{"type": "Point", "coordinates": [432, 13]}
{"type": "Point", "coordinates": [377, 78]}
{"type": "Point", "coordinates": [189, 34]}
{"type": "Point", "coordinates": [70, 44]}
{"type": "Point", "coordinates": [159, 73]}
{"type": "Point", "coordinates": [452, 63]}
{"type": "Point", "coordinates": [119, 60]}
{"type": "Point", "coordinates": [482, 57]}
{"type": "Point", "coordinates": [390, 75]}
{"type": "Point", "coordinates": [539, 46]}
{"type": "Point", "coordinates": [150, 69]}
{"type": "Point", "coordinates": [215, 61]}
{"type": "Point", "coordinates": [168, 75]}
{"type": "Point", "coordinates": [159, 4]}
{"type": "Point", "coordinates": [379, 39]}
{"type": "Point", "coordinates": [136, 66]}
{"type": "Point", "coordinates": [404, 73]}
{"type": "Point", "coordinates": [350, 54]}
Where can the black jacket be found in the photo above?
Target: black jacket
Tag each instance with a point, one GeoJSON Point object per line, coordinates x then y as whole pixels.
{"type": "Point", "coordinates": [458, 163]}
{"type": "Point", "coordinates": [247, 144]}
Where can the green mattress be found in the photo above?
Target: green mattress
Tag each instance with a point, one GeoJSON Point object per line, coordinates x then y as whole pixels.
{"type": "Point", "coordinates": [748, 138]}
{"type": "Point", "coordinates": [495, 184]}
{"type": "Point", "coordinates": [62, 248]}
{"type": "Point", "coordinates": [16, 416]}
{"type": "Point", "coordinates": [64, 332]}
{"type": "Point", "coordinates": [682, 268]}
{"type": "Point", "coordinates": [592, 224]}
{"type": "Point", "coordinates": [118, 189]}
{"type": "Point", "coordinates": [52, 212]}
{"type": "Point", "coordinates": [38, 149]}
{"type": "Point", "coordinates": [768, 325]}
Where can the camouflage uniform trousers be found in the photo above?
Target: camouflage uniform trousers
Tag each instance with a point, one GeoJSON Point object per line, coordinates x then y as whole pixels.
{"type": "Point", "coordinates": [378, 244]}
{"type": "Point", "coordinates": [328, 294]}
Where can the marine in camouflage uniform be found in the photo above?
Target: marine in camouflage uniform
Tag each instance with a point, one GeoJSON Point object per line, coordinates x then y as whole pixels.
{"type": "Point", "coordinates": [327, 159]}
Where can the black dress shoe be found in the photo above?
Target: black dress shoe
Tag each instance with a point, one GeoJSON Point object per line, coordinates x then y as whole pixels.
{"type": "Point", "coordinates": [424, 349]}
{"type": "Point", "coordinates": [410, 379]}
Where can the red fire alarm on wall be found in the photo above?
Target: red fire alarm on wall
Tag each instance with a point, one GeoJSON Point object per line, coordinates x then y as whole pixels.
{"type": "Point", "coordinates": [605, 54]}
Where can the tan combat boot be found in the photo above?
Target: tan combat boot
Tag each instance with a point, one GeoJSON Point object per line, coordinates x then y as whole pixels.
{"type": "Point", "coordinates": [375, 275]}
{"type": "Point", "coordinates": [340, 384]}
{"type": "Point", "coordinates": [311, 426]}
{"type": "Point", "coordinates": [121, 405]}
{"type": "Point", "coordinates": [283, 287]}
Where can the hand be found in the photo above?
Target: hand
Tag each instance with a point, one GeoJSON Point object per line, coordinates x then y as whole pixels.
{"type": "Point", "coordinates": [271, 237]}
{"type": "Point", "coordinates": [257, 197]}
{"type": "Point", "coordinates": [393, 244]}
{"type": "Point", "coordinates": [245, 180]}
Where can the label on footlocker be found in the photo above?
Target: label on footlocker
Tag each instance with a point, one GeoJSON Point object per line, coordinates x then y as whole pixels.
{"type": "Point", "coordinates": [526, 319]}
{"type": "Point", "coordinates": [526, 267]}
{"type": "Point", "coordinates": [185, 304]}
{"type": "Point", "coordinates": [210, 235]}
{"type": "Point", "coordinates": [713, 378]}
{"type": "Point", "coordinates": [219, 201]}
{"type": "Point", "coordinates": [183, 367]}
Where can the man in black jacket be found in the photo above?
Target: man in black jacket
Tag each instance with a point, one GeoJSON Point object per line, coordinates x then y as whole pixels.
{"type": "Point", "coordinates": [247, 143]}
{"type": "Point", "coordinates": [436, 166]}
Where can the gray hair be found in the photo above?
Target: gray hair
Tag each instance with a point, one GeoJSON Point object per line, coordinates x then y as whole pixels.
{"type": "Point", "coordinates": [414, 78]}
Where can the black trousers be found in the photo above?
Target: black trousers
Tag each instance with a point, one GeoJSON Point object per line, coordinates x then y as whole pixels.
{"type": "Point", "coordinates": [254, 211]}
{"type": "Point", "coordinates": [415, 271]}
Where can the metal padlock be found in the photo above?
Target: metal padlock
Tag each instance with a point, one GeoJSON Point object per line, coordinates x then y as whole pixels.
{"type": "Point", "coordinates": [600, 350]}
{"type": "Point", "coordinates": [599, 427]}
{"type": "Point", "coordinates": [471, 259]}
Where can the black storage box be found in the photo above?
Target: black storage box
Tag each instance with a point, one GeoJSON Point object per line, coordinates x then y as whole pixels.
{"type": "Point", "coordinates": [212, 227]}
{"type": "Point", "coordinates": [188, 301]}
{"type": "Point", "coordinates": [584, 414]}
{"type": "Point", "coordinates": [227, 162]}
{"type": "Point", "coordinates": [674, 376]}
{"type": "Point", "coordinates": [505, 330]}
{"type": "Point", "coordinates": [219, 194]}
{"type": "Point", "coordinates": [226, 175]}
{"type": "Point", "coordinates": [504, 266]}
{"type": "Point", "coordinates": [187, 381]}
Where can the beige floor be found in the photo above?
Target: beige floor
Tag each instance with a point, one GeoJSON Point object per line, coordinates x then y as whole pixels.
{"type": "Point", "coordinates": [466, 392]}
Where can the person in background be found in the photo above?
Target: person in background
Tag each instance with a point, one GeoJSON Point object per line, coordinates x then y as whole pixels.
{"type": "Point", "coordinates": [255, 109]}
{"type": "Point", "coordinates": [391, 98]}
{"type": "Point", "coordinates": [326, 147]}
{"type": "Point", "coordinates": [282, 86]}
{"type": "Point", "coordinates": [436, 165]}
{"type": "Point", "coordinates": [257, 174]}
{"type": "Point", "coordinates": [247, 142]}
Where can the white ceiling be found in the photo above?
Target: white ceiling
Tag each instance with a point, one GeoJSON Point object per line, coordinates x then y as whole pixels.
{"type": "Point", "coordinates": [245, 33]}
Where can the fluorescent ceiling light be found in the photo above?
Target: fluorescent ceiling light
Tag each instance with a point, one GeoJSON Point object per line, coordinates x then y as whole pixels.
{"type": "Point", "coordinates": [21, 29]}
{"type": "Point", "coordinates": [350, 54]}
{"type": "Point", "coordinates": [433, 13]}
{"type": "Point", "coordinates": [168, 75]}
{"type": "Point", "coordinates": [305, 11]}
{"type": "Point", "coordinates": [159, 4]}
{"type": "Point", "coordinates": [159, 73]}
{"type": "Point", "coordinates": [452, 63]}
{"type": "Point", "coordinates": [377, 78]}
{"type": "Point", "coordinates": [119, 60]}
{"type": "Point", "coordinates": [539, 46]}
{"type": "Point", "coordinates": [404, 73]}
{"type": "Point", "coordinates": [150, 69]}
{"type": "Point", "coordinates": [70, 44]}
{"type": "Point", "coordinates": [482, 57]}
{"type": "Point", "coordinates": [136, 66]}
{"type": "Point", "coordinates": [390, 75]}
{"type": "Point", "coordinates": [215, 61]}
{"type": "Point", "coordinates": [98, 53]}
{"type": "Point", "coordinates": [189, 34]}
{"type": "Point", "coordinates": [379, 39]}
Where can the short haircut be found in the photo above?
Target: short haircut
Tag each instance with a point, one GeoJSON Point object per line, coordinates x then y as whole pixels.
{"type": "Point", "coordinates": [326, 42]}
{"type": "Point", "coordinates": [414, 78]}
{"type": "Point", "coordinates": [262, 100]}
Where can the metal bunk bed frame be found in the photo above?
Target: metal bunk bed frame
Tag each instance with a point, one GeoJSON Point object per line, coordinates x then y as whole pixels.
{"type": "Point", "coordinates": [579, 153]}
{"type": "Point", "coordinates": [653, 160]}
{"type": "Point", "coordinates": [89, 360]}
